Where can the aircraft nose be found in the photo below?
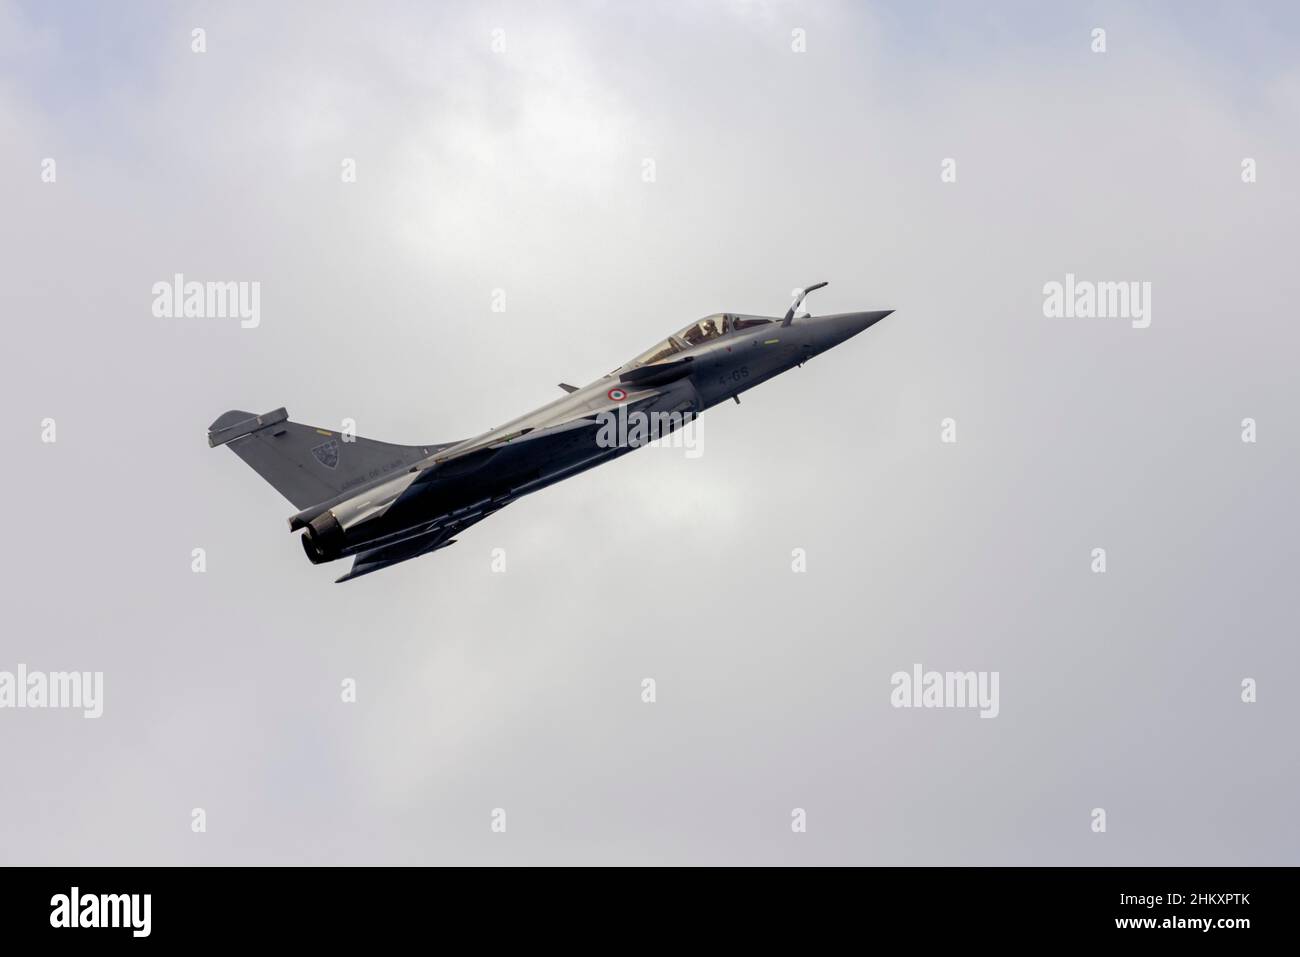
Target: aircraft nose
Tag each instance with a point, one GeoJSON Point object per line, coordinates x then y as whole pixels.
{"type": "Point", "coordinates": [849, 324]}
{"type": "Point", "coordinates": [865, 320]}
{"type": "Point", "coordinates": [827, 332]}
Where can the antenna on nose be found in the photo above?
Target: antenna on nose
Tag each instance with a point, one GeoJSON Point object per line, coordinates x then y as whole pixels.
{"type": "Point", "coordinates": [794, 306]}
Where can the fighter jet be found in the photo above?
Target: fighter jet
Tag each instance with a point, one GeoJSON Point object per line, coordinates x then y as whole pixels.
{"type": "Point", "coordinates": [381, 504]}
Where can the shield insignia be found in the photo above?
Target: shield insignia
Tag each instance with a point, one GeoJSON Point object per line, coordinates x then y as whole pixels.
{"type": "Point", "coordinates": [327, 454]}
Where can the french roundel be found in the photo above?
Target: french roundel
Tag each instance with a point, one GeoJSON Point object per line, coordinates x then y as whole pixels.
{"type": "Point", "coordinates": [618, 395]}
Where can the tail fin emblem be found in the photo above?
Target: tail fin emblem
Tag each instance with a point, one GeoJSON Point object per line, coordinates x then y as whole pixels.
{"type": "Point", "coordinates": [327, 454]}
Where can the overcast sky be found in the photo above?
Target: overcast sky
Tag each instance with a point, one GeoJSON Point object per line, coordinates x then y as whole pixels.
{"type": "Point", "coordinates": [517, 161]}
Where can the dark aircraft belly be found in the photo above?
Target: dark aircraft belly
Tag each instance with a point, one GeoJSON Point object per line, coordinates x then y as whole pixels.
{"type": "Point", "coordinates": [491, 478]}
{"type": "Point", "coordinates": [504, 474]}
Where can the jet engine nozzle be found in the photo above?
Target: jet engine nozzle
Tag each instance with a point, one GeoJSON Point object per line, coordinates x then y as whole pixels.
{"type": "Point", "coordinates": [324, 539]}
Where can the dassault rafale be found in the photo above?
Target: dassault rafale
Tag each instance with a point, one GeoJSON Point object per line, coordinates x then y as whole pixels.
{"type": "Point", "coordinates": [380, 504]}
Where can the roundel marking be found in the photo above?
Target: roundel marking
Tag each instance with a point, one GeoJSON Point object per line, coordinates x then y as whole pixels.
{"type": "Point", "coordinates": [618, 395]}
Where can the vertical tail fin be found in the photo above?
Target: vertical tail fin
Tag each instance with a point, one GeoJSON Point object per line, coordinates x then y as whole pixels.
{"type": "Point", "coordinates": [307, 464]}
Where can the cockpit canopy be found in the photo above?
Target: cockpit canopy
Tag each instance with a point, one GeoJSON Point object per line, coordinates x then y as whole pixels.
{"type": "Point", "coordinates": [710, 327]}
